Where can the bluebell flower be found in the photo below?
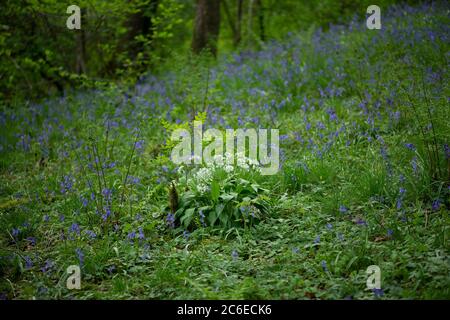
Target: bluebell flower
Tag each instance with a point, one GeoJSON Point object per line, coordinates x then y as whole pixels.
{"type": "Point", "coordinates": [15, 232]}
{"type": "Point", "coordinates": [171, 220]}
{"type": "Point", "coordinates": [436, 205]}
{"type": "Point", "coordinates": [46, 218]}
{"type": "Point", "coordinates": [317, 240]}
{"type": "Point", "coordinates": [447, 151]}
{"type": "Point", "coordinates": [414, 164]}
{"type": "Point", "coordinates": [110, 165]}
{"type": "Point", "coordinates": [186, 235]}
{"type": "Point", "coordinates": [80, 256]}
{"type": "Point", "coordinates": [141, 235]}
{"type": "Point", "coordinates": [323, 263]}
{"type": "Point", "coordinates": [234, 254]}
{"type": "Point", "coordinates": [378, 292]}
{"type": "Point", "coordinates": [31, 240]}
{"type": "Point", "coordinates": [390, 232]}
{"type": "Point", "coordinates": [131, 235]}
{"type": "Point", "coordinates": [320, 125]}
{"type": "Point", "coordinates": [343, 209]}
{"type": "Point", "coordinates": [84, 202]}
{"type": "Point", "coordinates": [48, 266]}
{"type": "Point", "coordinates": [202, 218]}
{"type": "Point", "coordinates": [399, 203]}
{"type": "Point", "coordinates": [75, 228]}
{"type": "Point", "coordinates": [28, 262]}
{"type": "Point", "coordinates": [91, 234]}
{"type": "Point", "coordinates": [67, 184]}
{"type": "Point", "coordinates": [107, 193]}
{"type": "Point", "coordinates": [111, 269]}
{"type": "Point", "coordinates": [107, 213]}
{"type": "Point", "coordinates": [308, 126]}
{"type": "Point", "coordinates": [329, 226]}
{"type": "Point", "coordinates": [410, 146]}
{"type": "Point", "coordinates": [139, 144]}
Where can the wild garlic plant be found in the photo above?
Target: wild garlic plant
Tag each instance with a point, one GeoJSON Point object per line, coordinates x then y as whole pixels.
{"type": "Point", "coordinates": [223, 193]}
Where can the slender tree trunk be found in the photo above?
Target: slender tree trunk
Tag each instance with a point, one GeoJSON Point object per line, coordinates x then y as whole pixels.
{"type": "Point", "coordinates": [237, 38]}
{"type": "Point", "coordinates": [206, 26]}
{"type": "Point", "coordinates": [81, 46]}
{"type": "Point", "coordinates": [262, 34]}
{"type": "Point", "coordinates": [250, 18]}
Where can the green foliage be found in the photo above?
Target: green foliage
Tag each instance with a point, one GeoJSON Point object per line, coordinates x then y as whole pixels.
{"type": "Point", "coordinates": [220, 195]}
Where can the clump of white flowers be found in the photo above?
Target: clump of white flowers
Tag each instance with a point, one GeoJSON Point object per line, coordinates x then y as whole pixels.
{"type": "Point", "coordinates": [201, 178]}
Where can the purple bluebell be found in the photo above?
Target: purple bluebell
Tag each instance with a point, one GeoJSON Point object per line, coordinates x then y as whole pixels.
{"type": "Point", "coordinates": [15, 232]}
{"type": "Point", "coordinates": [111, 269]}
{"type": "Point", "coordinates": [378, 292]}
{"type": "Point", "coordinates": [343, 209]}
{"type": "Point", "coordinates": [31, 241]}
{"type": "Point", "coordinates": [171, 220]}
{"type": "Point", "coordinates": [202, 218]}
{"type": "Point", "coordinates": [75, 228]}
{"type": "Point", "coordinates": [91, 234]}
{"type": "Point", "coordinates": [80, 256]}
{"type": "Point", "coordinates": [47, 266]}
{"type": "Point", "coordinates": [67, 184]}
{"type": "Point", "coordinates": [139, 144]}
{"type": "Point", "coordinates": [141, 235]}
{"type": "Point", "coordinates": [323, 263]}
{"type": "Point", "coordinates": [317, 240]}
{"type": "Point", "coordinates": [131, 235]}
{"type": "Point", "coordinates": [28, 262]}
{"type": "Point", "coordinates": [436, 205]}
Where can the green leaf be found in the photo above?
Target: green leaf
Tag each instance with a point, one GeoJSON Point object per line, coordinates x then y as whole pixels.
{"type": "Point", "coordinates": [187, 217]}
{"type": "Point", "coordinates": [227, 196]}
{"type": "Point", "coordinates": [215, 190]}
{"type": "Point", "coordinates": [212, 217]}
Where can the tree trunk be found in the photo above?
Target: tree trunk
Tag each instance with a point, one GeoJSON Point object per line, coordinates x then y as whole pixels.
{"type": "Point", "coordinates": [262, 34]}
{"type": "Point", "coordinates": [81, 52]}
{"type": "Point", "coordinates": [80, 66]}
{"type": "Point", "coordinates": [206, 26]}
{"type": "Point", "coordinates": [237, 38]}
{"type": "Point", "coordinates": [140, 23]}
